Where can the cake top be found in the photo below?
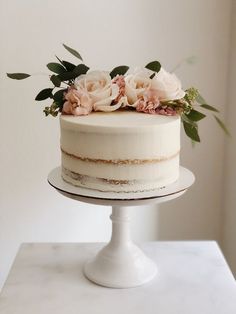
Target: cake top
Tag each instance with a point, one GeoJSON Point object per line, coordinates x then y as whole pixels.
{"type": "Point", "coordinates": [127, 119]}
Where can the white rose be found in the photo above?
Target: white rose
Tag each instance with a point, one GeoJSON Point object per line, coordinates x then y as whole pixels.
{"type": "Point", "coordinates": [136, 84]}
{"type": "Point", "coordinates": [167, 85]}
{"type": "Point", "coordinates": [99, 87]}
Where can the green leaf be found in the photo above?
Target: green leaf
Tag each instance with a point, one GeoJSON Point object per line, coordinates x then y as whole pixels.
{"type": "Point", "coordinates": [191, 131]}
{"type": "Point", "coordinates": [222, 125]}
{"type": "Point", "coordinates": [59, 95]}
{"type": "Point", "coordinates": [152, 76]}
{"type": "Point", "coordinates": [56, 67]}
{"type": "Point", "coordinates": [81, 69]}
{"type": "Point", "coordinates": [67, 76]}
{"type": "Point", "coordinates": [208, 107]}
{"type": "Point", "coordinates": [154, 66]}
{"type": "Point", "coordinates": [200, 99]}
{"type": "Point", "coordinates": [73, 52]}
{"type": "Point", "coordinates": [120, 70]}
{"type": "Point", "coordinates": [185, 118]}
{"type": "Point", "coordinates": [44, 94]}
{"type": "Point", "coordinates": [59, 59]}
{"type": "Point", "coordinates": [195, 115]}
{"type": "Point", "coordinates": [55, 80]}
{"type": "Point", "coordinates": [69, 66]}
{"type": "Point", "coordinates": [18, 76]}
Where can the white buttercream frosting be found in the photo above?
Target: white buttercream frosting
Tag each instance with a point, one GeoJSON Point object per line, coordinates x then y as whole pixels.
{"type": "Point", "coordinates": [92, 143]}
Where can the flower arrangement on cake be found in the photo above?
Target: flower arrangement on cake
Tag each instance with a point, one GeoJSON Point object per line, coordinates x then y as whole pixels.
{"type": "Point", "coordinates": [151, 89]}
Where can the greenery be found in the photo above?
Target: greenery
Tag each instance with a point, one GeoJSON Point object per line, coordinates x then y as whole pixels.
{"type": "Point", "coordinates": [64, 74]}
{"type": "Point", "coordinates": [121, 70]}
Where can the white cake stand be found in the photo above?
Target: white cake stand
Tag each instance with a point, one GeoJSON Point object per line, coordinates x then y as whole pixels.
{"type": "Point", "coordinates": [121, 264]}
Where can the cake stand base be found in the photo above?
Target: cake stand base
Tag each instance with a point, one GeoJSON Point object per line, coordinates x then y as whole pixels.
{"type": "Point", "coordinates": [120, 264]}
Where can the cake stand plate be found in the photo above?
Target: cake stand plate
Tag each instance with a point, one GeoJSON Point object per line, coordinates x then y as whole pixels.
{"type": "Point", "coordinates": [121, 264]}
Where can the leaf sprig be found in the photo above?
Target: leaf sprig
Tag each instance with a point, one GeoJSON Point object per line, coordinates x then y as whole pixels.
{"type": "Point", "coordinates": [191, 118]}
{"type": "Point", "coordinates": [65, 73]}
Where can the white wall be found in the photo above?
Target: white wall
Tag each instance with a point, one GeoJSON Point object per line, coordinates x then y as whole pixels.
{"type": "Point", "coordinates": [205, 32]}
{"type": "Point", "coordinates": [229, 191]}
{"type": "Point", "coordinates": [107, 33]}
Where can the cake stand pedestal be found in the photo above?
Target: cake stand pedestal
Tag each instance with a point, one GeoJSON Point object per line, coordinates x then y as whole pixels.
{"type": "Point", "coordinates": [121, 264]}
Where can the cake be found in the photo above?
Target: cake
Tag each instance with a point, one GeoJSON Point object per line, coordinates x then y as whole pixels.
{"type": "Point", "coordinates": [120, 129]}
{"type": "Point", "coordinates": [122, 151]}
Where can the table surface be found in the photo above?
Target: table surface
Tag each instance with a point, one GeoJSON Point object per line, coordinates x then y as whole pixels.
{"type": "Point", "coordinates": [47, 278]}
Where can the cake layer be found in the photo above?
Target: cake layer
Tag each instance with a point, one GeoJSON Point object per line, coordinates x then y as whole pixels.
{"type": "Point", "coordinates": [120, 151]}
{"type": "Point", "coordinates": [114, 171]}
{"type": "Point", "coordinates": [109, 185]}
{"type": "Point", "coordinates": [120, 135]}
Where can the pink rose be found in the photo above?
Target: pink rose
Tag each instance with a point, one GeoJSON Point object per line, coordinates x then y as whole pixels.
{"type": "Point", "coordinates": [136, 85]}
{"type": "Point", "coordinates": [167, 85]}
{"type": "Point", "coordinates": [77, 102]}
{"type": "Point", "coordinates": [98, 86]}
{"type": "Point", "coordinates": [120, 81]}
{"type": "Point", "coordinates": [148, 103]}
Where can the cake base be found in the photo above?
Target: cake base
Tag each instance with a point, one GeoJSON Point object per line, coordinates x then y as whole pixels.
{"type": "Point", "coordinates": [117, 186]}
{"type": "Point", "coordinates": [186, 178]}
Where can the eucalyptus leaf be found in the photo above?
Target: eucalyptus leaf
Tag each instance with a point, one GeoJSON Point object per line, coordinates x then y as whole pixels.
{"type": "Point", "coordinates": [60, 105]}
{"type": "Point", "coordinates": [191, 131]}
{"type": "Point", "coordinates": [56, 67]}
{"type": "Point", "coordinates": [59, 59]}
{"type": "Point", "coordinates": [73, 52]}
{"type": "Point", "coordinates": [200, 99]}
{"type": "Point", "coordinates": [18, 76]}
{"type": "Point", "coordinates": [59, 95]}
{"type": "Point", "coordinates": [55, 80]}
{"type": "Point", "coordinates": [44, 94]}
{"type": "Point", "coordinates": [222, 125]}
{"type": "Point", "coordinates": [120, 70]}
{"type": "Point", "coordinates": [67, 76]}
{"type": "Point", "coordinates": [185, 118]}
{"type": "Point", "coordinates": [81, 69]}
{"type": "Point", "coordinates": [195, 115]}
{"type": "Point", "coordinates": [208, 107]}
{"type": "Point", "coordinates": [154, 66]}
{"type": "Point", "coordinates": [69, 66]}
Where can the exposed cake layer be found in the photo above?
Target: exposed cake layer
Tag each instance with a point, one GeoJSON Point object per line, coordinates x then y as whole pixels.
{"type": "Point", "coordinates": [137, 151]}
{"type": "Point", "coordinates": [118, 185]}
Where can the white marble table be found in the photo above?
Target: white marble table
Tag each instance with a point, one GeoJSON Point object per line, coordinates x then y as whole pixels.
{"type": "Point", "coordinates": [47, 279]}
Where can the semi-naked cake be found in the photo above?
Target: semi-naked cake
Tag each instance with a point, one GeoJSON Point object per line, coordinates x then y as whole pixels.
{"type": "Point", "coordinates": [122, 151]}
{"type": "Point", "coordinates": [120, 129]}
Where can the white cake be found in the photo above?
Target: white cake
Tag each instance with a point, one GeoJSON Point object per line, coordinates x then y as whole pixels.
{"type": "Point", "coordinates": [123, 151]}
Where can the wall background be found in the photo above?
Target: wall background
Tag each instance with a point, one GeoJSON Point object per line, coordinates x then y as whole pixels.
{"type": "Point", "coordinates": [109, 33]}
{"type": "Point", "coordinates": [229, 184]}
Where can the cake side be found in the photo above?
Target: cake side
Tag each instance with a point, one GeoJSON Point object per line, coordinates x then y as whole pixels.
{"type": "Point", "coordinates": [129, 153]}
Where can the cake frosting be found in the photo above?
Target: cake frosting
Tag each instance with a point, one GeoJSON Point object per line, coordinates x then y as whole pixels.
{"type": "Point", "coordinates": [123, 151]}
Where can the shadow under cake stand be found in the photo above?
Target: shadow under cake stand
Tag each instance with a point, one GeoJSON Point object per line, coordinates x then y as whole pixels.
{"type": "Point", "coordinates": [121, 264]}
